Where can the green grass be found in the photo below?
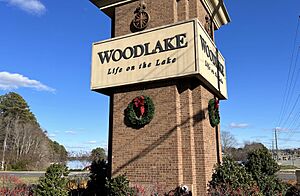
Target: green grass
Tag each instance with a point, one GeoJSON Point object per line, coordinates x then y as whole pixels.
{"type": "Point", "coordinates": [29, 180]}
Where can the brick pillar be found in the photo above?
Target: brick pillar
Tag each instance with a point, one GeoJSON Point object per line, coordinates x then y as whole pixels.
{"type": "Point", "coordinates": [178, 146]}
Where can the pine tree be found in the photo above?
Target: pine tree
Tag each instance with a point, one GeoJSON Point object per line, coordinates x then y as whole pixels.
{"type": "Point", "coordinates": [13, 109]}
{"type": "Point", "coordinates": [99, 175]}
{"type": "Point", "coordinates": [54, 182]}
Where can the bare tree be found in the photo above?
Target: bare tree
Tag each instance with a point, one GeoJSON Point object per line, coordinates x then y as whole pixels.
{"type": "Point", "coordinates": [23, 144]}
{"type": "Point", "coordinates": [228, 141]}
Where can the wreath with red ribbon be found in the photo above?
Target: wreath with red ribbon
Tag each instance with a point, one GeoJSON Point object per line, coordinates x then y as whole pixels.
{"type": "Point", "coordinates": [139, 112]}
{"type": "Point", "coordinates": [213, 111]}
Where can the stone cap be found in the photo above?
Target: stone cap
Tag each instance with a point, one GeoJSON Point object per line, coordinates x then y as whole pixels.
{"type": "Point", "coordinates": [216, 9]}
{"type": "Point", "coordinates": [107, 6]}
{"type": "Point", "coordinates": [104, 4]}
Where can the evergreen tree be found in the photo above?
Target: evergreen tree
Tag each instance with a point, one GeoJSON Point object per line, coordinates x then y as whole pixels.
{"type": "Point", "coordinates": [59, 153]}
{"type": "Point", "coordinates": [99, 176]}
{"type": "Point", "coordinates": [98, 154]}
{"type": "Point", "coordinates": [119, 186]}
{"type": "Point", "coordinates": [263, 168]}
{"type": "Point", "coordinates": [54, 183]}
{"type": "Point", "coordinates": [231, 175]}
{"type": "Point", "coordinates": [13, 111]}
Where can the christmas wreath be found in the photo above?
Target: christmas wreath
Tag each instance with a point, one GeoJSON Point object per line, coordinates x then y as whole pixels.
{"type": "Point", "coordinates": [139, 112]}
{"type": "Point", "coordinates": [213, 111]}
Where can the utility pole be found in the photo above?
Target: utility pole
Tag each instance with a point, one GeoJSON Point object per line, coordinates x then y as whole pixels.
{"type": "Point", "coordinates": [276, 144]}
{"type": "Point", "coordinates": [273, 153]}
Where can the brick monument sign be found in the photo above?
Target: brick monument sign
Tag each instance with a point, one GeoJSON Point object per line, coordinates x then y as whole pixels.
{"type": "Point", "coordinates": [164, 75]}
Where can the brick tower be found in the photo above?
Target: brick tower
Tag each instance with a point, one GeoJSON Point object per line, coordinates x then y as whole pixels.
{"type": "Point", "coordinates": [179, 146]}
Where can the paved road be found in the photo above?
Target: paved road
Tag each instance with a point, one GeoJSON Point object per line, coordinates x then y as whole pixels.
{"type": "Point", "coordinates": [294, 162]}
{"type": "Point", "coordinates": [37, 173]}
{"type": "Point", "coordinates": [286, 176]}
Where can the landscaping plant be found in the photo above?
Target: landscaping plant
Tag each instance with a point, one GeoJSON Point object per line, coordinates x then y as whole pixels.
{"type": "Point", "coordinates": [263, 167]}
{"type": "Point", "coordinates": [257, 177]}
{"type": "Point", "coordinates": [119, 186]}
{"type": "Point", "coordinates": [54, 182]}
{"type": "Point", "coordinates": [230, 178]}
{"type": "Point", "coordinates": [98, 177]}
{"type": "Point", "coordinates": [12, 185]}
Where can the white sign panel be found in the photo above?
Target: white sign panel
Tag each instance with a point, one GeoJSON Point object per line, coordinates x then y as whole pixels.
{"type": "Point", "coordinates": [211, 63]}
{"type": "Point", "coordinates": [177, 50]}
{"type": "Point", "coordinates": [151, 55]}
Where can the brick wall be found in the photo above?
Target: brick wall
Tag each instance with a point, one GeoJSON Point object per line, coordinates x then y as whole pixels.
{"type": "Point", "coordinates": [162, 12]}
{"type": "Point", "coordinates": [177, 147]}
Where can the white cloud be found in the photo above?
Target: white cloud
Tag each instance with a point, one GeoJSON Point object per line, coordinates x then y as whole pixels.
{"type": "Point", "coordinates": [10, 81]}
{"type": "Point", "coordinates": [103, 144]}
{"type": "Point", "coordinates": [260, 137]}
{"type": "Point", "coordinates": [238, 125]}
{"type": "Point", "coordinates": [76, 147]}
{"type": "Point", "coordinates": [70, 132]}
{"type": "Point", "coordinates": [92, 142]}
{"type": "Point", "coordinates": [30, 6]}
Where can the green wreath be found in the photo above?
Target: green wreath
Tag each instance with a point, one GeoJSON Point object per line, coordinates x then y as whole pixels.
{"type": "Point", "coordinates": [139, 112]}
{"type": "Point", "coordinates": [213, 111]}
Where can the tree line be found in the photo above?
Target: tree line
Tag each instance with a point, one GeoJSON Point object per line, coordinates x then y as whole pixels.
{"type": "Point", "coordinates": [229, 147]}
{"type": "Point", "coordinates": [23, 143]}
{"type": "Point", "coordinates": [96, 154]}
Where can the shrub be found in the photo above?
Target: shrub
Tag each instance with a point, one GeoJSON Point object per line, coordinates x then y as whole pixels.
{"type": "Point", "coordinates": [77, 185]}
{"type": "Point", "coordinates": [20, 165]}
{"type": "Point", "coordinates": [54, 182]}
{"type": "Point", "coordinates": [227, 190]}
{"type": "Point", "coordinates": [293, 190]}
{"type": "Point", "coordinates": [260, 163]}
{"type": "Point", "coordinates": [98, 177]}
{"type": "Point", "coordinates": [119, 186]}
{"type": "Point", "coordinates": [139, 190]}
{"type": "Point", "coordinates": [263, 167]}
{"type": "Point", "coordinates": [100, 185]}
{"type": "Point", "coordinates": [231, 175]}
{"type": "Point", "coordinates": [12, 185]}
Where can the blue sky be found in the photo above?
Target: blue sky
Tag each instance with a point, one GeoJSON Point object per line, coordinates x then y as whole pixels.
{"type": "Point", "coordinates": [45, 55]}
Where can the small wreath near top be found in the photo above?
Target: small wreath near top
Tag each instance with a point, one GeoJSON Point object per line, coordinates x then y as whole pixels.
{"type": "Point", "coordinates": [213, 111]}
{"type": "Point", "coordinates": [139, 112]}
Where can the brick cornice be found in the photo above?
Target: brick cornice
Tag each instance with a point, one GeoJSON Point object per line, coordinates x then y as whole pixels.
{"type": "Point", "coordinates": [216, 9]}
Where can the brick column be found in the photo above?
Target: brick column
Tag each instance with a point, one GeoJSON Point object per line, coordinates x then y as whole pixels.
{"type": "Point", "coordinates": [177, 147]}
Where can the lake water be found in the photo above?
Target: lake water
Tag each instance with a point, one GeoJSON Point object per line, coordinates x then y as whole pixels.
{"type": "Point", "coordinates": [78, 164]}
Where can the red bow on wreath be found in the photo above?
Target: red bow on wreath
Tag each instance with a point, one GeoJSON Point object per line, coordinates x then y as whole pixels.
{"type": "Point", "coordinates": [216, 104]}
{"type": "Point", "coordinates": [139, 103]}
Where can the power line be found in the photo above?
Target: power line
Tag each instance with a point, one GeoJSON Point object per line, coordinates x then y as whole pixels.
{"type": "Point", "coordinates": [288, 93]}
{"type": "Point", "coordinates": [293, 122]}
{"type": "Point", "coordinates": [288, 79]}
{"type": "Point", "coordinates": [293, 131]}
{"type": "Point", "coordinates": [293, 108]}
{"type": "Point", "coordinates": [291, 87]}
